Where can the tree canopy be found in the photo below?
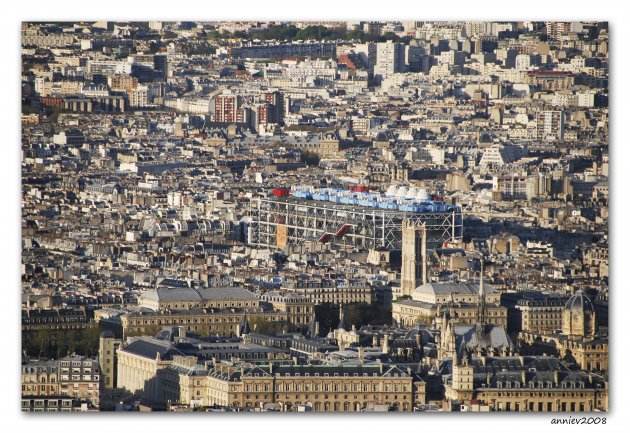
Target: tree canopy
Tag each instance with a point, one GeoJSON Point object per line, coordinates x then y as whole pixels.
{"type": "Point", "coordinates": [310, 158]}
{"type": "Point", "coordinates": [57, 343]}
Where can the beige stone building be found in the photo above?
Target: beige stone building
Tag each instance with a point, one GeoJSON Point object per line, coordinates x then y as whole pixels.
{"type": "Point", "coordinates": [186, 382]}
{"type": "Point", "coordinates": [579, 338]}
{"type": "Point", "coordinates": [461, 299]}
{"type": "Point", "coordinates": [40, 379]}
{"type": "Point", "coordinates": [54, 404]}
{"type": "Point", "coordinates": [334, 294]}
{"type": "Point", "coordinates": [409, 312]}
{"type": "Point", "coordinates": [328, 144]}
{"type": "Point", "coordinates": [136, 371]}
{"type": "Point", "coordinates": [589, 354]}
{"type": "Point", "coordinates": [550, 80]}
{"type": "Point", "coordinates": [73, 376]}
{"type": "Point", "coordinates": [467, 292]}
{"type": "Point", "coordinates": [184, 297]}
{"type": "Point", "coordinates": [541, 315]}
{"type": "Point", "coordinates": [123, 82]}
{"type": "Point", "coordinates": [524, 384]}
{"type": "Point", "coordinates": [323, 388]}
{"type": "Point", "coordinates": [298, 308]}
{"type": "Point", "coordinates": [220, 322]}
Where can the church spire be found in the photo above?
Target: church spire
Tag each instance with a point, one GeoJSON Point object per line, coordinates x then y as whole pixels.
{"type": "Point", "coordinates": [481, 303]}
{"type": "Point", "coordinates": [243, 327]}
{"type": "Point", "coordinates": [313, 327]}
{"type": "Point", "coordinates": [342, 319]}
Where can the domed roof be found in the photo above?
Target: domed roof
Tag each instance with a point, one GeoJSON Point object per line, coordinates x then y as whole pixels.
{"type": "Point", "coordinates": [422, 194]}
{"type": "Point", "coordinates": [579, 303]}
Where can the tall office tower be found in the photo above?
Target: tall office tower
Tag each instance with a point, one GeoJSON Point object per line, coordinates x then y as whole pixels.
{"type": "Point", "coordinates": [367, 54]}
{"type": "Point", "coordinates": [160, 65]}
{"type": "Point", "coordinates": [477, 28]}
{"type": "Point", "coordinates": [226, 109]}
{"type": "Point", "coordinates": [276, 100]}
{"type": "Point", "coordinates": [411, 26]}
{"type": "Point", "coordinates": [550, 126]}
{"type": "Point", "coordinates": [555, 29]}
{"type": "Point", "coordinates": [373, 28]}
{"type": "Point", "coordinates": [414, 55]}
{"type": "Point", "coordinates": [264, 115]}
{"type": "Point", "coordinates": [390, 59]}
{"type": "Point", "coordinates": [414, 256]}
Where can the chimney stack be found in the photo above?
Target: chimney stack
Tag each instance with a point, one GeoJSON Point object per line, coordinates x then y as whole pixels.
{"type": "Point", "coordinates": [375, 342]}
{"type": "Point", "coordinates": [386, 344]}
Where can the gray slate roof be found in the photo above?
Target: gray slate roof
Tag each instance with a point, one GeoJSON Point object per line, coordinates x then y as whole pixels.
{"type": "Point", "coordinates": [150, 347]}
{"type": "Point", "coordinates": [491, 337]}
{"type": "Point", "coordinates": [198, 294]}
{"type": "Point", "coordinates": [445, 288]}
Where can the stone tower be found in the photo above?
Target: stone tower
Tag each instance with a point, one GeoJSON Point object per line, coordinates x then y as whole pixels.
{"type": "Point", "coordinates": [107, 347]}
{"type": "Point", "coordinates": [414, 256]}
{"type": "Point", "coordinates": [462, 387]}
{"type": "Point", "coordinates": [578, 317]}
